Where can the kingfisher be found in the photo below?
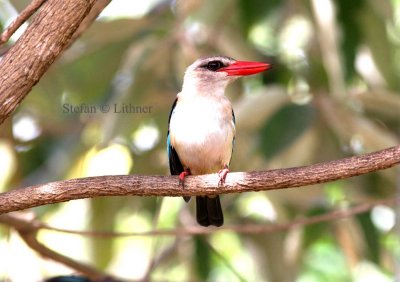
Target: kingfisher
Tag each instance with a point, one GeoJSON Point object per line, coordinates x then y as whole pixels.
{"type": "Point", "coordinates": [201, 126]}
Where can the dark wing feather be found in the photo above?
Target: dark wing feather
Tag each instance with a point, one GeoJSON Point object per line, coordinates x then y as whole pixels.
{"type": "Point", "coordinates": [233, 140]}
{"type": "Point", "coordinates": [175, 165]}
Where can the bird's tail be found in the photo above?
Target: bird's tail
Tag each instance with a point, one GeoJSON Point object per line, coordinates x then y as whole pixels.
{"type": "Point", "coordinates": [209, 211]}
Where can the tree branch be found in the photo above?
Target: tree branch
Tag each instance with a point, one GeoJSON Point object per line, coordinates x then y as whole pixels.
{"type": "Point", "coordinates": [31, 240]}
{"type": "Point", "coordinates": [98, 7]}
{"type": "Point", "coordinates": [140, 185]}
{"type": "Point", "coordinates": [28, 229]}
{"type": "Point", "coordinates": [23, 17]}
{"type": "Point", "coordinates": [242, 229]}
{"type": "Point", "coordinates": [43, 41]}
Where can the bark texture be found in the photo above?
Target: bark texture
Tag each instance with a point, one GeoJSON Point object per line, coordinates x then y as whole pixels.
{"type": "Point", "coordinates": [140, 185]}
{"type": "Point", "coordinates": [44, 40]}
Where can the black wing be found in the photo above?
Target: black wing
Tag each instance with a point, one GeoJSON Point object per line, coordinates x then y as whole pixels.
{"type": "Point", "coordinates": [175, 165]}
{"type": "Point", "coordinates": [233, 140]}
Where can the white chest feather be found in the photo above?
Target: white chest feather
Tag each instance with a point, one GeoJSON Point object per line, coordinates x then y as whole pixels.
{"type": "Point", "coordinates": [202, 131]}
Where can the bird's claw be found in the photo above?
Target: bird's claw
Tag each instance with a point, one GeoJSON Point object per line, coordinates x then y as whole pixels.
{"type": "Point", "coordinates": [222, 173]}
{"type": "Point", "coordinates": [182, 176]}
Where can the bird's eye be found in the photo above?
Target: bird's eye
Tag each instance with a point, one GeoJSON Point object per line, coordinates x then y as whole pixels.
{"type": "Point", "coordinates": [214, 65]}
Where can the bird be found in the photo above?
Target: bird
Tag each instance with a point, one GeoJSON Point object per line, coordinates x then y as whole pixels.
{"type": "Point", "coordinates": [201, 126]}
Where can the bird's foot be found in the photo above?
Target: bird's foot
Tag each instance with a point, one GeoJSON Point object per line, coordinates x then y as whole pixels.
{"type": "Point", "coordinates": [222, 173]}
{"type": "Point", "coordinates": [182, 176]}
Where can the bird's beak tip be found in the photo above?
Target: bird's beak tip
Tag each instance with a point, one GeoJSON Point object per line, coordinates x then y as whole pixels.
{"type": "Point", "coordinates": [240, 68]}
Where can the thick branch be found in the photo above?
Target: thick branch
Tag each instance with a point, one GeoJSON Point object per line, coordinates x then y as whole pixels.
{"type": "Point", "coordinates": [140, 185]}
{"type": "Point", "coordinates": [44, 40]}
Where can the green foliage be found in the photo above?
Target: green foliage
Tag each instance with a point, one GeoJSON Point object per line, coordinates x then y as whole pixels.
{"type": "Point", "coordinates": [324, 262]}
{"type": "Point", "coordinates": [202, 258]}
{"type": "Point", "coordinates": [315, 231]}
{"type": "Point", "coordinates": [275, 137]}
{"type": "Point", "coordinates": [102, 218]}
{"type": "Point", "coordinates": [371, 236]}
{"type": "Point", "coordinates": [252, 12]}
{"type": "Point", "coordinates": [348, 12]}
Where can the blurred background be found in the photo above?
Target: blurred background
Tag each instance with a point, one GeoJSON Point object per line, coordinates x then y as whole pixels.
{"type": "Point", "coordinates": [333, 92]}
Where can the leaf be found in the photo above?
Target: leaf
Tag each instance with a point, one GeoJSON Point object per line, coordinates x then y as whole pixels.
{"type": "Point", "coordinates": [324, 262]}
{"type": "Point", "coordinates": [202, 258]}
{"type": "Point", "coordinates": [314, 232]}
{"type": "Point", "coordinates": [375, 36]}
{"type": "Point", "coordinates": [89, 76]}
{"type": "Point", "coordinates": [103, 213]}
{"type": "Point", "coordinates": [284, 128]}
{"type": "Point", "coordinates": [351, 32]}
{"type": "Point", "coordinates": [253, 11]}
{"type": "Point", "coordinates": [371, 236]}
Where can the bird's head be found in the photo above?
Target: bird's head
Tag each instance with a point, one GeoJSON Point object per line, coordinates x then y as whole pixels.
{"type": "Point", "coordinates": [213, 74]}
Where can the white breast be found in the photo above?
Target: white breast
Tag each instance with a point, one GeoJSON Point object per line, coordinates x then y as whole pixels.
{"type": "Point", "coordinates": [202, 131]}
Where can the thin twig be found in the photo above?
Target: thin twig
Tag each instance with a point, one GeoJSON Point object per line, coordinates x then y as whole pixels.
{"type": "Point", "coordinates": [20, 20]}
{"type": "Point", "coordinates": [21, 223]}
{"type": "Point", "coordinates": [238, 182]}
{"type": "Point", "coordinates": [327, 36]}
{"type": "Point", "coordinates": [245, 229]}
{"type": "Point", "coordinates": [98, 7]}
{"type": "Point", "coordinates": [396, 254]}
{"type": "Point", "coordinates": [31, 240]}
{"type": "Point", "coordinates": [28, 229]}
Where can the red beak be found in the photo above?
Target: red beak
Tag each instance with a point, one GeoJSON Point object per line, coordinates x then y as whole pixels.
{"type": "Point", "coordinates": [245, 68]}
